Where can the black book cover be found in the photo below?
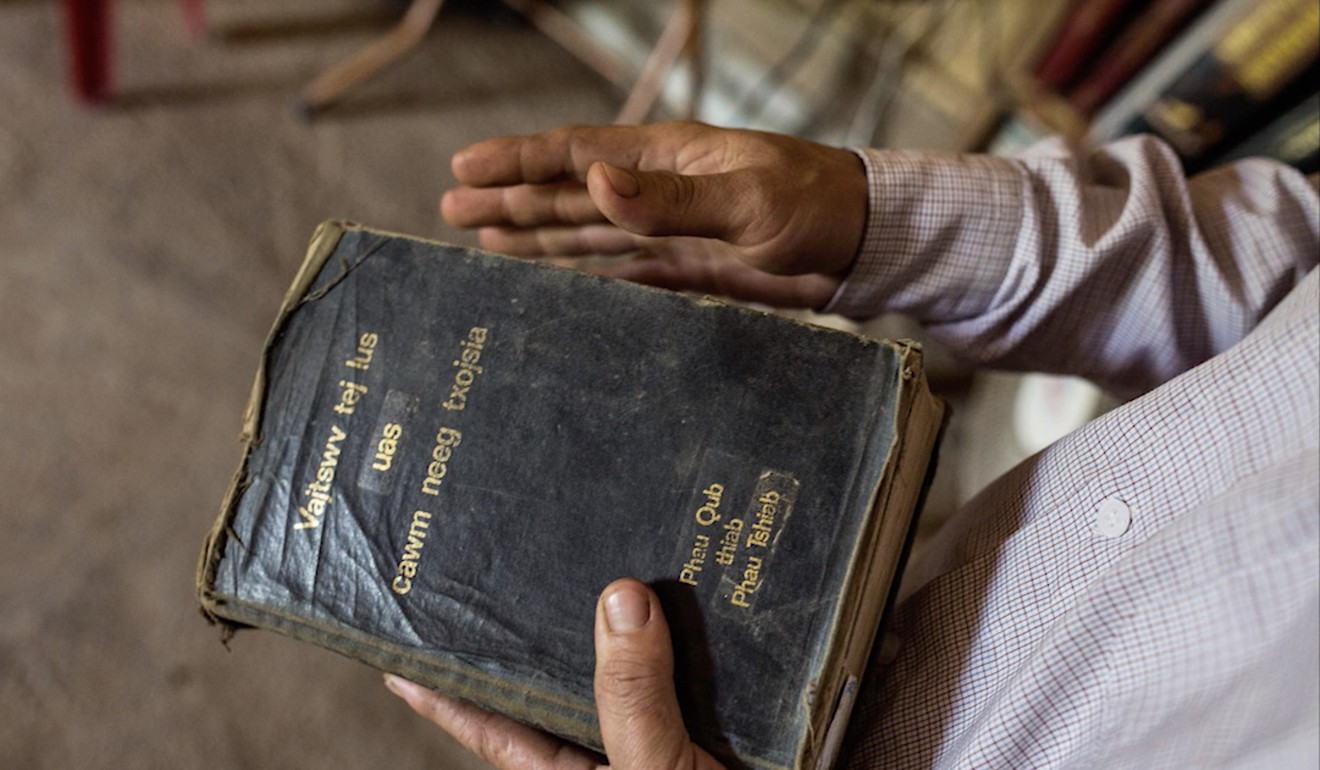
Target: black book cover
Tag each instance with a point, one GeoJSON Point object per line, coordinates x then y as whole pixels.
{"type": "Point", "coordinates": [1293, 138]}
{"type": "Point", "coordinates": [1264, 61]}
{"type": "Point", "coordinates": [449, 454]}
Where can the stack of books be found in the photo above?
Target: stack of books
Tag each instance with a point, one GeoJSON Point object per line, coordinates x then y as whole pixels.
{"type": "Point", "coordinates": [1217, 79]}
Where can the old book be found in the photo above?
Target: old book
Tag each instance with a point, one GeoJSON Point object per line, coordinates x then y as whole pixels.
{"type": "Point", "coordinates": [449, 454]}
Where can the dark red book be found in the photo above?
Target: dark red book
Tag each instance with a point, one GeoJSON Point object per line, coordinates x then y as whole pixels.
{"type": "Point", "coordinates": [1136, 45]}
{"type": "Point", "coordinates": [1090, 24]}
{"type": "Point", "coordinates": [88, 28]}
{"type": "Point", "coordinates": [1293, 138]}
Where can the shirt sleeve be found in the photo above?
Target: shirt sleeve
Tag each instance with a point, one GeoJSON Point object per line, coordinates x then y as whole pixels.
{"type": "Point", "coordinates": [1109, 265]}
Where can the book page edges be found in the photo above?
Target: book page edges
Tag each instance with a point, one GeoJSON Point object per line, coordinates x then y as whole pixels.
{"type": "Point", "coordinates": [322, 245]}
{"type": "Point", "coordinates": [569, 717]}
{"type": "Point", "coordinates": [919, 421]}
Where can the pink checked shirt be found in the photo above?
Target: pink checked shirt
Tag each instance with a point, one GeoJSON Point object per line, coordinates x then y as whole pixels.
{"type": "Point", "coordinates": [1146, 591]}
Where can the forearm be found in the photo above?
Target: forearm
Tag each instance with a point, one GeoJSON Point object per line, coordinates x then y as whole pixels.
{"type": "Point", "coordinates": [1110, 266]}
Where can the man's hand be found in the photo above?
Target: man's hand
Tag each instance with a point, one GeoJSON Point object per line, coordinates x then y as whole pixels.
{"type": "Point", "coordinates": [749, 215]}
{"type": "Point", "coordinates": [640, 723]}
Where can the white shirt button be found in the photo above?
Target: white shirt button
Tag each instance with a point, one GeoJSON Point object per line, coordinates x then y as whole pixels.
{"type": "Point", "coordinates": [1113, 517]}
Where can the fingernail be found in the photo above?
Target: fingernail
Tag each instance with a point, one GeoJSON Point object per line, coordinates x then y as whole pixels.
{"type": "Point", "coordinates": [627, 608]}
{"type": "Point", "coordinates": [400, 686]}
{"type": "Point", "coordinates": [624, 182]}
{"type": "Point", "coordinates": [458, 162]}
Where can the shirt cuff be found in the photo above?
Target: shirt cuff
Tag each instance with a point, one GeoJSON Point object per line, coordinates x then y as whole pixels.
{"type": "Point", "coordinates": [939, 237]}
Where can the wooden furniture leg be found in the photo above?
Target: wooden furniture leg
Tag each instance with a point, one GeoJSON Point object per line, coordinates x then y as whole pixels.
{"type": "Point", "coordinates": [561, 28]}
{"type": "Point", "coordinates": [332, 84]}
{"type": "Point", "coordinates": [681, 37]}
{"type": "Point", "coordinates": [695, 53]}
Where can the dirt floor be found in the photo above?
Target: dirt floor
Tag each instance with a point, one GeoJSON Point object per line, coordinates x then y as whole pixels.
{"type": "Point", "coordinates": [144, 248]}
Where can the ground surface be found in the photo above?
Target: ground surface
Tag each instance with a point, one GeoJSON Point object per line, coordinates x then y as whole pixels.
{"type": "Point", "coordinates": [144, 248]}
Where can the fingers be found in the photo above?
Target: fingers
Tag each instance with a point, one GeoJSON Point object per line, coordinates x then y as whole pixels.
{"type": "Point", "coordinates": [631, 179]}
{"type": "Point", "coordinates": [525, 205]}
{"type": "Point", "coordinates": [496, 739]}
{"type": "Point", "coordinates": [558, 241]}
{"type": "Point", "coordinates": [532, 220]}
{"type": "Point", "coordinates": [640, 722]}
{"type": "Point", "coordinates": [567, 153]}
{"type": "Point", "coordinates": [641, 726]}
{"type": "Point", "coordinates": [728, 277]}
{"type": "Point", "coordinates": [660, 203]}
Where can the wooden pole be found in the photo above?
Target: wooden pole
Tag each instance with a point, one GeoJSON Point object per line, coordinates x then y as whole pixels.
{"type": "Point", "coordinates": [332, 84]}
{"type": "Point", "coordinates": [680, 38]}
{"type": "Point", "coordinates": [680, 35]}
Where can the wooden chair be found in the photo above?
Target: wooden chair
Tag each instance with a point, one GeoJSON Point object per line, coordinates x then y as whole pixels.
{"type": "Point", "coordinates": [681, 38]}
{"type": "Point", "coordinates": [89, 33]}
{"type": "Point", "coordinates": [90, 44]}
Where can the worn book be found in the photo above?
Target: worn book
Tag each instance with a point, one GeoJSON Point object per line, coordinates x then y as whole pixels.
{"type": "Point", "coordinates": [448, 454]}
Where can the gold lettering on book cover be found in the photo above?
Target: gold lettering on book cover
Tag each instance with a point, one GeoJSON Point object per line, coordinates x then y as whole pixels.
{"type": "Point", "coordinates": [759, 537]}
{"type": "Point", "coordinates": [412, 553]}
{"type": "Point", "coordinates": [366, 348]}
{"type": "Point", "coordinates": [316, 495]}
{"type": "Point", "coordinates": [705, 516]}
{"type": "Point", "coordinates": [771, 506]}
{"type": "Point", "coordinates": [387, 446]}
{"type": "Point", "coordinates": [446, 441]}
{"type": "Point", "coordinates": [728, 549]}
{"type": "Point", "coordinates": [696, 558]}
{"type": "Point", "coordinates": [349, 398]}
{"type": "Point", "coordinates": [466, 369]}
{"type": "Point", "coordinates": [747, 585]}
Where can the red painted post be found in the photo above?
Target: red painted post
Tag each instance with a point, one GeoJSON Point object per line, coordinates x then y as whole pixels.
{"type": "Point", "coordinates": [88, 30]}
{"type": "Point", "coordinates": [194, 19]}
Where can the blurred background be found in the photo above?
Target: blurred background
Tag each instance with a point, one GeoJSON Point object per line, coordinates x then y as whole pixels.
{"type": "Point", "coordinates": [163, 162]}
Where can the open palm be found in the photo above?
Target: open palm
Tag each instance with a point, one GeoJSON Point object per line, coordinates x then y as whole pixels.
{"type": "Point", "coordinates": [745, 214]}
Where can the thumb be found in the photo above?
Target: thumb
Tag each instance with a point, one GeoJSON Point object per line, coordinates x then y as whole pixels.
{"type": "Point", "coordinates": [640, 723]}
{"type": "Point", "coordinates": [658, 203]}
